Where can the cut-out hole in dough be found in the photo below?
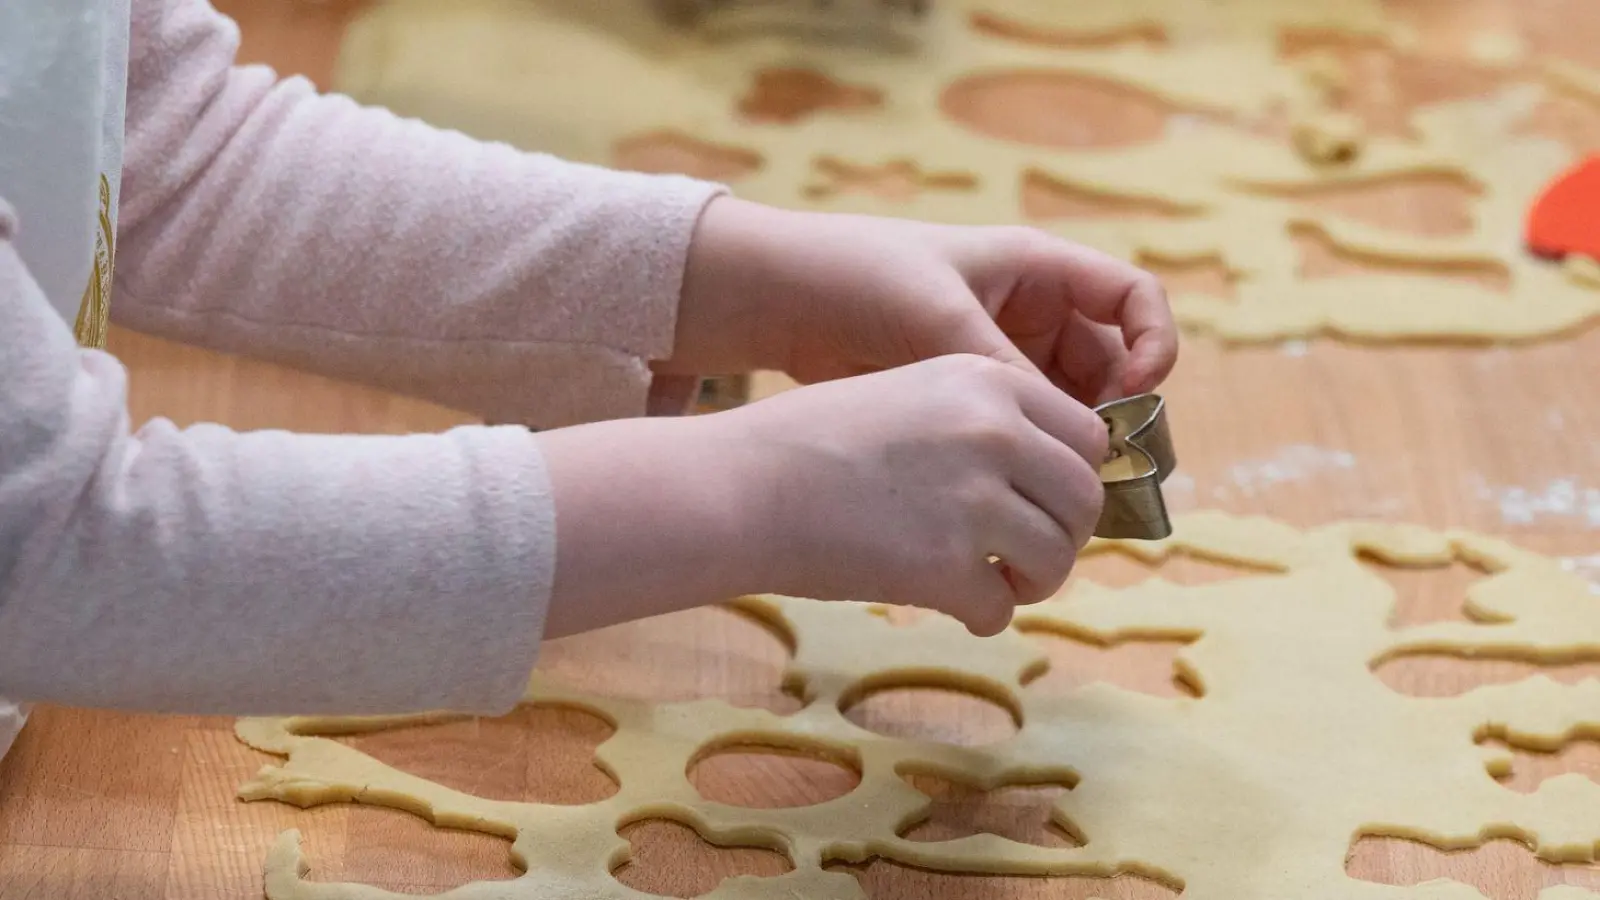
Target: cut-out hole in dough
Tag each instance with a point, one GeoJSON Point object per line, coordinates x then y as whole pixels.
{"type": "Point", "coordinates": [1430, 204]}
{"type": "Point", "coordinates": [1023, 813]}
{"type": "Point", "coordinates": [1117, 569]}
{"type": "Point", "coordinates": [1149, 34]}
{"type": "Point", "coordinates": [672, 152]}
{"type": "Point", "coordinates": [696, 654]}
{"type": "Point", "coordinates": [1422, 80]}
{"type": "Point", "coordinates": [924, 710]}
{"type": "Point", "coordinates": [1427, 594]}
{"type": "Point", "coordinates": [1321, 257]}
{"type": "Point", "coordinates": [670, 859]}
{"type": "Point", "coordinates": [1442, 675]}
{"type": "Point", "coordinates": [1051, 108]}
{"type": "Point", "coordinates": [1568, 37]}
{"type": "Point", "coordinates": [1208, 274]}
{"type": "Point", "coordinates": [1045, 196]}
{"type": "Point", "coordinates": [789, 95]}
{"type": "Point", "coordinates": [1147, 666]}
{"type": "Point", "coordinates": [412, 856]}
{"type": "Point", "coordinates": [1383, 87]}
{"type": "Point", "coordinates": [898, 180]}
{"type": "Point", "coordinates": [1531, 768]}
{"type": "Point", "coordinates": [537, 754]}
{"type": "Point", "coordinates": [882, 879]}
{"type": "Point", "coordinates": [1501, 870]}
{"type": "Point", "coordinates": [768, 775]}
{"type": "Point", "coordinates": [1574, 121]}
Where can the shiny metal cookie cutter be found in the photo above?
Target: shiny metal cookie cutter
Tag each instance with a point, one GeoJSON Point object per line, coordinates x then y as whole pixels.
{"type": "Point", "coordinates": [1140, 459]}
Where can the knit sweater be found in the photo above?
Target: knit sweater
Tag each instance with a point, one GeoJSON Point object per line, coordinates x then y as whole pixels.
{"type": "Point", "coordinates": [205, 570]}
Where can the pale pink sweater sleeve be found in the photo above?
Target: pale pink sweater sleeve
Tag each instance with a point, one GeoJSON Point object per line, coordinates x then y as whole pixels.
{"type": "Point", "coordinates": [204, 570]}
{"type": "Point", "coordinates": [261, 218]}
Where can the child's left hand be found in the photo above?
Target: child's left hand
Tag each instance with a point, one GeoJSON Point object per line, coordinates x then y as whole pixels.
{"type": "Point", "coordinates": [823, 296]}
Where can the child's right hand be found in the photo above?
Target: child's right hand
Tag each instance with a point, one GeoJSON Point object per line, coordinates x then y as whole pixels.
{"type": "Point", "coordinates": [895, 487]}
{"type": "Point", "coordinates": [898, 487]}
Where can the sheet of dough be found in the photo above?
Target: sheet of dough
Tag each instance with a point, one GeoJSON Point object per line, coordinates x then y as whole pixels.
{"type": "Point", "coordinates": [582, 80]}
{"type": "Point", "coordinates": [1253, 791]}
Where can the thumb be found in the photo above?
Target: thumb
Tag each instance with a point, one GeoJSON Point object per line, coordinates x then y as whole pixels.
{"type": "Point", "coordinates": [973, 332]}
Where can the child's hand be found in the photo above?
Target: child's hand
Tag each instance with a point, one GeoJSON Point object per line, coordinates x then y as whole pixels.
{"type": "Point", "coordinates": [822, 296]}
{"type": "Point", "coordinates": [895, 487]}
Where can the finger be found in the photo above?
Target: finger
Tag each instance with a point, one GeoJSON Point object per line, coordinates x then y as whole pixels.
{"type": "Point", "coordinates": [1037, 552]}
{"type": "Point", "coordinates": [1063, 485]}
{"type": "Point", "coordinates": [987, 600]}
{"type": "Point", "coordinates": [1039, 346]}
{"type": "Point", "coordinates": [1063, 418]}
{"type": "Point", "coordinates": [1092, 360]}
{"type": "Point", "coordinates": [965, 327]}
{"type": "Point", "coordinates": [1151, 359]}
{"type": "Point", "coordinates": [1115, 292]}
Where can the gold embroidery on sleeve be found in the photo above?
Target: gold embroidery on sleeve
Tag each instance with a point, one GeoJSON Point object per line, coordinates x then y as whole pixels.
{"type": "Point", "coordinates": [94, 312]}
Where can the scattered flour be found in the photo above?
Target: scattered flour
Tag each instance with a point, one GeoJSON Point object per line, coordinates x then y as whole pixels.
{"type": "Point", "coordinates": [1249, 479]}
{"type": "Point", "coordinates": [1588, 567]}
{"type": "Point", "coordinates": [1179, 489]}
{"type": "Point", "coordinates": [1292, 463]}
{"type": "Point", "coordinates": [1560, 498]}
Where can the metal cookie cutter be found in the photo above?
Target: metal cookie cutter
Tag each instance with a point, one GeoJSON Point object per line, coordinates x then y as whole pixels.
{"type": "Point", "coordinates": [1140, 459]}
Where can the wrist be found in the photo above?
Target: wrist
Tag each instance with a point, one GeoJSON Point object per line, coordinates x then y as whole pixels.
{"type": "Point", "coordinates": [734, 313]}
{"type": "Point", "coordinates": [652, 516]}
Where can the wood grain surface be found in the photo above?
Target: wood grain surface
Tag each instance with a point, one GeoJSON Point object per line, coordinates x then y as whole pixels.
{"type": "Point", "coordinates": [95, 805]}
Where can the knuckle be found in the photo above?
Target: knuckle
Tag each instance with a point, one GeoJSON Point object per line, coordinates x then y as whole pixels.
{"type": "Point", "coordinates": [1098, 441]}
{"type": "Point", "coordinates": [989, 424]}
{"type": "Point", "coordinates": [1086, 431]}
{"type": "Point", "coordinates": [974, 366]}
{"type": "Point", "coordinates": [1078, 508]}
{"type": "Point", "coordinates": [970, 499]}
{"type": "Point", "coordinates": [1025, 239]}
{"type": "Point", "coordinates": [1146, 280]}
{"type": "Point", "coordinates": [1089, 512]}
{"type": "Point", "coordinates": [1064, 562]}
{"type": "Point", "coordinates": [993, 436]}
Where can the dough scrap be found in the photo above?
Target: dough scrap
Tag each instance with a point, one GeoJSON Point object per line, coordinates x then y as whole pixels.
{"type": "Point", "coordinates": [580, 79]}
{"type": "Point", "coordinates": [1583, 269]}
{"type": "Point", "coordinates": [1576, 79]}
{"type": "Point", "coordinates": [1253, 791]}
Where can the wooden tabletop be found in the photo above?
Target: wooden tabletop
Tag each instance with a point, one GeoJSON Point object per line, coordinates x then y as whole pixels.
{"type": "Point", "coordinates": [95, 805]}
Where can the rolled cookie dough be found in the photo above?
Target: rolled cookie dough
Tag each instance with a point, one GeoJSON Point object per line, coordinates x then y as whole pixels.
{"type": "Point", "coordinates": [603, 82]}
{"type": "Point", "coordinates": [1253, 791]}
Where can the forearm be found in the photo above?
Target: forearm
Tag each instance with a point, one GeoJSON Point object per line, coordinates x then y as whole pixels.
{"type": "Point", "coordinates": [205, 571]}
{"type": "Point", "coordinates": [654, 516]}
{"type": "Point", "coordinates": [261, 218]}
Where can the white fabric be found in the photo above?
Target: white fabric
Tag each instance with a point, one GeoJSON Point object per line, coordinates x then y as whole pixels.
{"type": "Point", "coordinates": [63, 93]}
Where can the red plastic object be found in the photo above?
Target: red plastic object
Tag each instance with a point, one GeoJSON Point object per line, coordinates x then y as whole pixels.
{"type": "Point", "coordinates": [1566, 218]}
